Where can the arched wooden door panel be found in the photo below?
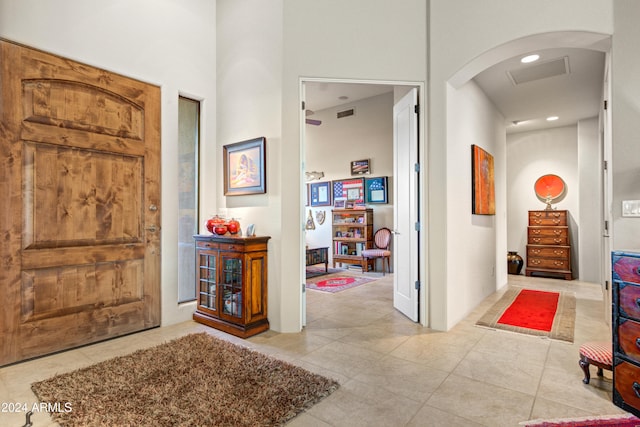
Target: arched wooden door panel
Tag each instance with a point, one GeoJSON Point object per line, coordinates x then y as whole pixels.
{"type": "Point", "coordinates": [80, 204]}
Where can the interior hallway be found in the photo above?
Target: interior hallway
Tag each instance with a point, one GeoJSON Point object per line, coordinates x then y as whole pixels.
{"type": "Point", "coordinates": [393, 372]}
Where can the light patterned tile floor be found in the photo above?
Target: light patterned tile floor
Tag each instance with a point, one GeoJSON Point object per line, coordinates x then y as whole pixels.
{"type": "Point", "coordinates": [393, 372]}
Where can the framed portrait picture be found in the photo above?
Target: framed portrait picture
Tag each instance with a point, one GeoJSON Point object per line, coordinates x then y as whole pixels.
{"type": "Point", "coordinates": [376, 189]}
{"type": "Point", "coordinates": [360, 167]}
{"type": "Point", "coordinates": [320, 193]}
{"type": "Point", "coordinates": [245, 167]}
{"type": "Point", "coordinates": [349, 190]}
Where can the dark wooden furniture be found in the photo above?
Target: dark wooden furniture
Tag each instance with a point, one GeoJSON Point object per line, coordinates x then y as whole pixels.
{"type": "Point", "coordinates": [626, 330]}
{"type": "Point", "coordinates": [318, 256]}
{"type": "Point", "coordinates": [548, 244]}
{"type": "Point", "coordinates": [352, 233]}
{"type": "Point", "coordinates": [231, 283]}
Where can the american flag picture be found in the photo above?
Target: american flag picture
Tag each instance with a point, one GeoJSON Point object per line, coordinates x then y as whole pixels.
{"type": "Point", "coordinates": [350, 189]}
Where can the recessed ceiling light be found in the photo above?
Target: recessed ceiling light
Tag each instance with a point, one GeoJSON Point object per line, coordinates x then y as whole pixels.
{"type": "Point", "coordinates": [530, 58]}
{"type": "Point", "coordinates": [343, 98]}
{"type": "Point", "coordinates": [552, 118]}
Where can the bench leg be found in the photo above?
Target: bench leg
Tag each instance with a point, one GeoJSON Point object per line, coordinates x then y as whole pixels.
{"type": "Point", "coordinates": [584, 364]}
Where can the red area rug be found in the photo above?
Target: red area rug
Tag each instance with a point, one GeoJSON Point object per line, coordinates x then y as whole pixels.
{"type": "Point", "coordinates": [336, 282]}
{"type": "Point", "coordinates": [531, 312]}
{"type": "Point", "coordinates": [599, 421]}
{"type": "Point", "coordinates": [532, 309]}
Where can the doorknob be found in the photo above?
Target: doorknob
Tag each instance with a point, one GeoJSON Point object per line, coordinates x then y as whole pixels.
{"type": "Point", "coordinates": [153, 208]}
{"type": "Point", "coordinates": [152, 228]}
{"type": "Point", "coordinates": [395, 232]}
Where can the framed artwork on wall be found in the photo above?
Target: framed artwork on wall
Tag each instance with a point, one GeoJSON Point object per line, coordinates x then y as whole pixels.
{"type": "Point", "coordinates": [245, 167]}
{"type": "Point", "coordinates": [360, 167]}
{"type": "Point", "coordinates": [320, 193]}
{"type": "Point", "coordinates": [483, 199]}
{"type": "Point", "coordinates": [349, 190]}
{"type": "Point", "coordinates": [376, 189]}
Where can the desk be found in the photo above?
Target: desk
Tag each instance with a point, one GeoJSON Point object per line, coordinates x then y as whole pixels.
{"type": "Point", "coordinates": [318, 256]}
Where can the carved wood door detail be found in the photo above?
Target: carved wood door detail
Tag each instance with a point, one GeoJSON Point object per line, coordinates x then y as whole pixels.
{"type": "Point", "coordinates": [79, 204]}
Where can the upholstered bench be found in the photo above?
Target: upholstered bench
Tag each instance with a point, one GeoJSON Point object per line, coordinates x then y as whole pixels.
{"type": "Point", "coordinates": [597, 353]}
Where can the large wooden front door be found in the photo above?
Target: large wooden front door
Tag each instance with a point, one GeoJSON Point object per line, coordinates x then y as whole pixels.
{"type": "Point", "coordinates": [79, 204]}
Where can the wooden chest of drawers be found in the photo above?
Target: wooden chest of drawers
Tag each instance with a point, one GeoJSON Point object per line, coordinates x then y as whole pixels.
{"type": "Point", "coordinates": [626, 330]}
{"type": "Point", "coordinates": [548, 244]}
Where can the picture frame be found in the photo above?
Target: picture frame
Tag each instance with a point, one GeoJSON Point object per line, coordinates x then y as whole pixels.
{"type": "Point", "coordinates": [244, 167]}
{"type": "Point", "coordinates": [376, 189]}
{"type": "Point", "coordinates": [320, 194]}
{"type": "Point", "coordinates": [360, 167]}
{"type": "Point", "coordinates": [339, 204]}
{"type": "Point", "coordinates": [483, 199]}
{"type": "Point", "coordinates": [349, 190]}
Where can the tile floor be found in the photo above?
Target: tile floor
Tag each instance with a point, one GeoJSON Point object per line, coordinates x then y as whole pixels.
{"type": "Point", "coordinates": [393, 372]}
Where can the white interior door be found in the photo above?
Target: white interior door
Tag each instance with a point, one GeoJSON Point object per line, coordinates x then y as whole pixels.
{"type": "Point", "coordinates": [405, 206]}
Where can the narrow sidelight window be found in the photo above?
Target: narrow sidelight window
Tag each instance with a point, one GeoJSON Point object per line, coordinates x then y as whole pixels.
{"type": "Point", "coordinates": [188, 159]}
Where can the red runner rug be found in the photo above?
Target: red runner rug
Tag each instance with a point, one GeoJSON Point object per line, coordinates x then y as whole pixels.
{"type": "Point", "coordinates": [533, 312]}
{"type": "Point", "coordinates": [595, 421]}
{"type": "Point", "coordinates": [532, 309]}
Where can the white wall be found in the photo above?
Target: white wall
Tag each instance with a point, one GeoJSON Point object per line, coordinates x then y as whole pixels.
{"type": "Point", "coordinates": [249, 104]}
{"type": "Point", "coordinates": [466, 36]}
{"type": "Point", "coordinates": [626, 126]}
{"type": "Point", "coordinates": [590, 203]}
{"type": "Point", "coordinates": [358, 39]}
{"type": "Point", "coordinates": [169, 43]}
{"type": "Point", "coordinates": [529, 156]}
{"type": "Point", "coordinates": [331, 146]}
{"type": "Point", "coordinates": [477, 255]}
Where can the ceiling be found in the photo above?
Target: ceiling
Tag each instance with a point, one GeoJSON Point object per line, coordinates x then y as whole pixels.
{"type": "Point", "coordinates": [563, 82]}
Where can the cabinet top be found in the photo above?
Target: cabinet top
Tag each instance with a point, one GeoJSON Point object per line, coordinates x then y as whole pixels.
{"type": "Point", "coordinates": [230, 238]}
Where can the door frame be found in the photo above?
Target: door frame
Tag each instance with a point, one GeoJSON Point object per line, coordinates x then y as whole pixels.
{"type": "Point", "coordinates": [422, 249]}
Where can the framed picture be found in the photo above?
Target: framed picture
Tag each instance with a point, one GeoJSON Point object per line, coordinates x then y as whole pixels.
{"type": "Point", "coordinates": [360, 167]}
{"type": "Point", "coordinates": [245, 167]}
{"type": "Point", "coordinates": [320, 193]}
{"type": "Point", "coordinates": [339, 204]}
{"type": "Point", "coordinates": [376, 189]}
{"type": "Point", "coordinates": [483, 199]}
{"type": "Point", "coordinates": [351, 190]}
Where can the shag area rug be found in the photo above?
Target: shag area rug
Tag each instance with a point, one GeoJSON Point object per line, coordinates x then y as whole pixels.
{"type": "Point", "coordinates": [625, 420]}
{"type": "Point", "coordinates": [195, 380]}
{"type": "Point", "coordinates": [528, 313]}
{"type": "Point", "coordinates": [337, 282]}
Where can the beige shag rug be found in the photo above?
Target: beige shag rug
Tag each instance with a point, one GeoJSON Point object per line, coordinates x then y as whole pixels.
{"type": "Point", "coordinates": [196, 380]}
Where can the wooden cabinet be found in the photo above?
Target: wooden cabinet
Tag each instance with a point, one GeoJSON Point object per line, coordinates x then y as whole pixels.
{"type": "Point", "coordinates": [352, 233]}
{"type": "Point", "coordinates": [231, 284]}
{"type": "Point", "coordinates": [626, 330]}
{"type": "Point", "coordinates": [548, 244]}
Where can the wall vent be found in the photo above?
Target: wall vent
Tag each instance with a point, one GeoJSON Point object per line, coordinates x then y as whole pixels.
{"type": "Point", "coordinates": [555, 67]}
{"type": "Point", "coordinates": [345, 113]}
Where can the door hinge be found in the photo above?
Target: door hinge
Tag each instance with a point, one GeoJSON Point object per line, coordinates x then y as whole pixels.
{"type": "Point", "coordinates": [303, 106]}
{"type": "Point", "coordinates": [416, 167]}
{"type": "Point", "coordinates": [606, 165]}
{"type": "Point", "coordinates": [304, 288]}
{"type": "Point", "coordinates": [606, 285]}
{"type": "Point", "coordinates": [417, 284]}
{"type": "Point", "coordinates": [417, 226]}
{"type": "Point", "coordinates": [606, 226]}
{"type": "Point", "coordinates": [605, 104]}
{"type": "Point", "coordinates": [416, 109]}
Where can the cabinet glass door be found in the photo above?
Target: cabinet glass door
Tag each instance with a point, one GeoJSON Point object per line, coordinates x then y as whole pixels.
{"type": "Point", "coordinates": [207, 281]}
{"type": "Point", "coordinates": [231, 285]}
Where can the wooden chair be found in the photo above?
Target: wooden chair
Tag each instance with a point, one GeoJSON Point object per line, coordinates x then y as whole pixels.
{"type": "Point", "coordinates": [381, 241]}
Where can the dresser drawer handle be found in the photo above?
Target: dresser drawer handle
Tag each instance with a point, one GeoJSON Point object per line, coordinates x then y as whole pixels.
{"type": "Point", "coordinates": [638, 342]}
{"type": "Point", "coordinates": [636, 389]}
{"type": "Point", "coordinates": [638, 302]}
